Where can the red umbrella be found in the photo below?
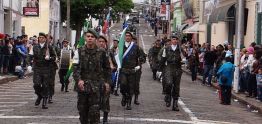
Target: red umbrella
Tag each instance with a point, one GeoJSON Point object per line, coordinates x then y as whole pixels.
{"type": "Point", "coordinates": [2, 36]}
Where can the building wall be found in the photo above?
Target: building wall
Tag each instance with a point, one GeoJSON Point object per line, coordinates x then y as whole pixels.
{"type": "Point", "coordinates": [250, 35]}
{"type": "Point", "coordinates": [1, 17]}
{"type": "Point", "coordinates": [12, 17]}
{"type": "Point", "coordinates": [177, 14]}
{"type": "Point", "coordinates": [219, 33]}
{"type": "Point", "coordinates": [202, 33]}
{"type": "Point", "coordinates": [220, 30]}
{"type": "Point", "coordinates": [54, 20]}
{"type": "Point", "coordinates": [34, 25]}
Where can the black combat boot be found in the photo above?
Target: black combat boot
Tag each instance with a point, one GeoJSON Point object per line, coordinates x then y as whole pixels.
{"type": "Point", "coordinates": [38, 100]}
{"type": "Point", "coordinates": [168, 100]}
{"type": "Point", "coordinates": [105, 118]}
{"type": "Point", "coordinates": [123, 101]}
{"type": "Point", "coordinates": [115, 93]}
{"type": "Point", "coordinates": [66, 88]}
{"type": "Point", "coordinates": [128, 107]}
{"type": "Point", "coordinates": [136, 100]}
{"type": "Point", "coordinates": [50, 100]}
{"type": "Point", "coordinates": [62, 87]}
{"type": "Point", "coordinates": [44, 106]}
{"type": "Point", "coordinates": [175, 105]}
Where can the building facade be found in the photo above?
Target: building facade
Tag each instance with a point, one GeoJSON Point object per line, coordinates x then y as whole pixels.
{"type": "Point", "coordinates": [12, 10]}
{"type": "Point", "coordinates": [47, 20]}
{"type": "Point", "coordinates": [219, 22]}
{"type": "Point", "coordinates": [1, 17]}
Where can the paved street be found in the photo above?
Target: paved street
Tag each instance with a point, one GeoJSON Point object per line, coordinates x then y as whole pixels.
{"type": "Point", "coordinates": [198, 104]}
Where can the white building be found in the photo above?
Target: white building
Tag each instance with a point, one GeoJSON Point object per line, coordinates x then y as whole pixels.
{"type": "Point", "coordinates": [1, 17]}
{"type": "Point", "coordinates": [46, 19]}
{"type": "Point", "coordinates": [54, 19]}
{"type": "Point", "coordinates": [12, 17]}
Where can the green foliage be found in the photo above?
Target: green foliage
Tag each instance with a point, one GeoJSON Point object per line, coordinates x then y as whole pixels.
{"type": "Point", "coordinates": [82, 9]}
{"type": "Point", "coordinates": [124, 6]}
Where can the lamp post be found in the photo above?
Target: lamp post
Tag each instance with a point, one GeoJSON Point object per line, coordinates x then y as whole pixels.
{"type": "Point", "coordinates": [240, 37]}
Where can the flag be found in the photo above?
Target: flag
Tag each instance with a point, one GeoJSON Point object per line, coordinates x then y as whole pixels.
{"type": "Point", "coordinates": [80, 43]}
{"type": "Point", "coordinates": [120, 53]}
{"type": "Point", "coordinates": [106, 23]}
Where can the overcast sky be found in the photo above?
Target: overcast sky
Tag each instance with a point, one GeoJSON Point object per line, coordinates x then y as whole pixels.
{"type": "Point", "coordinates": [138, 1]}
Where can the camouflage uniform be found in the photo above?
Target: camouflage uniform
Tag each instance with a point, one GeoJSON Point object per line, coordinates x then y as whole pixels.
{"type": "Point", "coordinates": [162, 68]}
{"type": "Point", "coordinates": [42, 72]}
{"type": "Point", "coordinates": [142, 60]}
{"type": "Point", "coordinates": [93, 68]}
{"type": "Point", "coordinates": [153, 54]}
{"type": "Point", "coordinates": [105, 96]}
{"type": "Point", "coordinates": [127, 75]}
{"type": "Point", "coordinates": [53, 69]}
{"type": "Point", "coordinates": [173, 73]}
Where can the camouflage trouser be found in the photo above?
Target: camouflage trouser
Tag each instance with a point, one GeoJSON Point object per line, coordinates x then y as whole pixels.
{"type": "Point", "coordinates": [164, 80]}
{"type": "Point", "coordinates": [173, 79]}
{"type": "Point", "coordinates": [88, 108]}
{"type": "Point", "coordinates": [127, 83]}
{"type": "Point", "coordinates": [137, 82]}
{"type": "Point", "coordinates": [41, 79]}
{"type": "Point", "coordinates": [52, 82]}
{"type": "Point", "coordinates": [104, 102]}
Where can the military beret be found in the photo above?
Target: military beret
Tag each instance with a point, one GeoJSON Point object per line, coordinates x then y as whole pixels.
{"type": "Point", "coordinates": [128, 32]}
{"type": "Point", "coordinates": [92, 31]}
{"type": "Point", "coordinates": [103, 38]}
{"type": "Point", "coordinates": [174, 36]}
{"type": "Point", "coordinates": [115, 39]}
{"type": "Point", "coordinates": [42, 34]}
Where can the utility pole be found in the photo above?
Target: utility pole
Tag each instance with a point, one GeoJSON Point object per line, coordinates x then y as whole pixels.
{"type": "Point", "coordinates": [68, 31]}
{"type": "Point", "coordinates": [240, 37]}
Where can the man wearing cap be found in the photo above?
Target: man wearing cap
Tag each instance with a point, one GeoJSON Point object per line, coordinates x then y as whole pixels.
{"type": "Point", "coordinates": [44, 55]}
{"type": "Point", "coordinates": [63, 70]}
{"type": "Point", "coordinates": [152, 55]}
{"type": "Point", "coordinates": [141, 60]}
{"type": "Point", "coordinates": [112, 54]}
{"type": "Point", "coordinates": [91, 67]}
{"type": "Point", "coordinates": [130, 65]}
{"type": "Point", "coordinates": [171, 57]}
{"type": "Point", "coordinates": [53, 69]}
{"type": "Point", "coordinates": [104, 96]}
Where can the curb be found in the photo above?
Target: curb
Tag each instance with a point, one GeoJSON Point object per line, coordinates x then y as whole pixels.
{"type": "Point", "coordinates": [235, 96]}
{"type": "Point", "coordinates": [13, 78]}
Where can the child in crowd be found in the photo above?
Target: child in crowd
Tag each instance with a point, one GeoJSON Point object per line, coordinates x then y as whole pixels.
{"type": "Point", "coordinates": [259, 84]}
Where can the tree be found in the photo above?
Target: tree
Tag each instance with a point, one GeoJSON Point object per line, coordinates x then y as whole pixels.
{"type": "Point", "coordinates": [83, 9]}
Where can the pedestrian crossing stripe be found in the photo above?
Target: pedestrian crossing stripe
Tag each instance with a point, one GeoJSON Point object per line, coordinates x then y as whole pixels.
{"type": "Point", "coordinates": [122, 119]}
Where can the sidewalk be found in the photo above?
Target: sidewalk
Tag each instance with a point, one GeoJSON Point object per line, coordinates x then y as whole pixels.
{"type": "Point", "coordinates": [251, 103]}
{"type": "Point", "coordinates": [11, 78]}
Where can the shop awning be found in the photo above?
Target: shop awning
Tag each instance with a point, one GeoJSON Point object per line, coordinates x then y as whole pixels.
{"type": "Point", "coordinates": [192, 29]}
{"type": "Point", "coordinates": [182, 27]}
{"type": "Point", "coordinates": [222, 14]}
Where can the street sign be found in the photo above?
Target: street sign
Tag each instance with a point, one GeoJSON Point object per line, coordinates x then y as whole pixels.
{"type": "Point", "coordinates": [165, 2]}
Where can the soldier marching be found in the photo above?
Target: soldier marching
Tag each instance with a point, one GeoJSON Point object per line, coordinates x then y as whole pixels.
{"type": "Point", "coordinates": [91, 69]}
{"type": "Point", "coordinates": [43, 56]}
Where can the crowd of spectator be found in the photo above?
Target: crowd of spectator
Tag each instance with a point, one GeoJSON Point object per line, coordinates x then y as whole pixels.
{"type": "Point", "coordinates": [206, 60]}
{"type": "Point", "coordinates": [16, 55]}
